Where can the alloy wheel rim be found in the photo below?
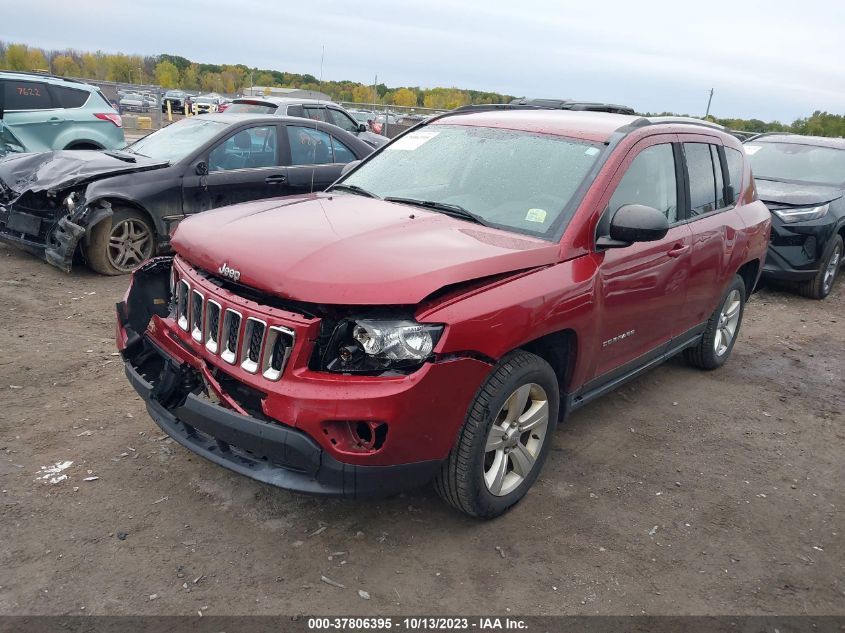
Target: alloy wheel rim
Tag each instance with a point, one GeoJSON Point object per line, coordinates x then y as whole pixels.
{"type": "Point", "coordinates": [515, 439]}
{"type": "Point", "coordinates": [830, 271]}
{"type": "Point", "coordinates": [728, 322]}
{"type": "Point", "coordinates": [130, 243]}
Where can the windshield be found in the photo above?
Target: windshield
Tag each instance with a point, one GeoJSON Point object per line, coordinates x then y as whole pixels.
{"type": "Point", "coordinates": [250, 107]}
{"type": "Point", "coordinates": [178, 140]}
{"type": "Point", "coordinates": [801, 163]}
{"type": "Point", "coordinates": [511, 179]}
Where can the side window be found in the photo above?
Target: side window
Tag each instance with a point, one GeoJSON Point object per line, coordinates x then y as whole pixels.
{"type": "Point", "coordinates": [252, 148]}
{"type": "Point", "coordinates": [734, 160]}
{"type": "Point", "coordinates": [650, 180]}
{"type": "Point", "coordinates": [342, 154]}
{"type": "Point", "coordinates": [317, 114]}
{"type": "Point", "coordinates": [342, 121]}
{"type": "Point", "coordinates": [69, 97]}
{"type": "Point", "coordinates": [309, 146]}
{"type": "Point", "coordinates": [26, 95]}
{"type": "Point", "coordinates": [702, 178]}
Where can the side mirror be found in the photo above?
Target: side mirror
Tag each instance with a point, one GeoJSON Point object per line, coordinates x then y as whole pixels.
{"type": "Point", "coordinates": [362, 127]}
{"type": "Point", "coordinates": [635, 223]}
{"type": "Point", "coordinates": [349, 167]}
{"type": "Point", "coordinates": [202, 169]}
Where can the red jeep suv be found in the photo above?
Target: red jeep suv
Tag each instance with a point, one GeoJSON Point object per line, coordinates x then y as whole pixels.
{"type": "Point", "coordinates": [435, 313]}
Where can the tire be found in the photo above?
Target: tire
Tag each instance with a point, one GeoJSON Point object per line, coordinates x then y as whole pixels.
{"type": "Point", "coordinates": [468, 478]}
{"type": "Point", "coordinates": [722, 329]}
{"type": "Point", "coordinates": [118, 246]}
{"type": "Point", "coordinates": [819, 287]}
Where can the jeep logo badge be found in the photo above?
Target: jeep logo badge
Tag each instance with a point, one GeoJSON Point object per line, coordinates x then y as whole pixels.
{"type": "Point", "coordinates": [231, 273]}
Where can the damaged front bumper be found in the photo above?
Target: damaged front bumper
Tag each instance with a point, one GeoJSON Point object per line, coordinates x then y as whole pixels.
{"type": "Point", "coordinates": [280, 432]}
{"type": "Point", "coordinates": [52, 238]}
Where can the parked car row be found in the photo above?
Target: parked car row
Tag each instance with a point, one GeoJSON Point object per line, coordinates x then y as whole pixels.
{"type": "Point", "coordinates": [357, 317]}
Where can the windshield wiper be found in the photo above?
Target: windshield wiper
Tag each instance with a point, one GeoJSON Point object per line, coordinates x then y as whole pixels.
{"type": "Point", "coordinates": [121, 155]}
{"type": "Point", "coordinates": [354, 189]}
{"type": "Point", "coordinates": [455, 210]}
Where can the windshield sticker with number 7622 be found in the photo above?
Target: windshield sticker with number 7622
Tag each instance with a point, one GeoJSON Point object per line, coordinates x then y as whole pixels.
{"type": "Point", "coordinates": [413, 140]}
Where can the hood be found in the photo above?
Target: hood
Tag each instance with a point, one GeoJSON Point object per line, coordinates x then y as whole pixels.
{"type": "Point", "coordinates": [55, 170]}
{"type": "Point", "coordinates": [775, 192]}
{"type": "Point", "coordinates": [345, 249]}
{"type": "Point", "coordinates": [373, 139]}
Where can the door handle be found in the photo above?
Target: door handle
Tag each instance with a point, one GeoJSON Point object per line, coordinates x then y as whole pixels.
{"type": "Point", "coordinates": [278, 179]}
{"type": "Point", "coordinates": [678, 250]}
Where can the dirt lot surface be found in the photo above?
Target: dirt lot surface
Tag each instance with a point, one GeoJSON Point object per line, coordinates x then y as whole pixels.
{"type": "Point", "coordinates": [682, 492]}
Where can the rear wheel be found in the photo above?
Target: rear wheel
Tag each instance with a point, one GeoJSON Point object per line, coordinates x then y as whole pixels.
{"type": "Point", "coordinates": [820, 286]}
{"type": "Point", "coordinates": [719, 337]}
{"type": "Point", "coordinates": [119, 246]}
{"type": "Point", "coordinates": [505, 438]}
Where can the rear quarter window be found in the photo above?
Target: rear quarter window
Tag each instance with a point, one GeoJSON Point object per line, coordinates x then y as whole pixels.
{"type": "Point", "coordinates": [26, 95]}
{"type": "Point", "coordinates": [734, 160]}
{"type": "Point", "coordinates": [69, 97]}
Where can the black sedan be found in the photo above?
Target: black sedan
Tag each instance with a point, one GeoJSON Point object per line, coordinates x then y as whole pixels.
{"type": "Point", "coordinates": [802, 181]}
{"type": "Point", "coordinates": [116, 208]}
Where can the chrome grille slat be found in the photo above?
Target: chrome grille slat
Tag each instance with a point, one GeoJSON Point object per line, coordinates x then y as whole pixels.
{"type": "Point", "coordinates": [183, 293]}
{"type": "Point", "coordinates": [212, 326]}
{"type": "Point", "coordinates": [196, 315]}
{"type": "Point", "coordinates": [253, 338]}
{"type": "Point", "coordinates": [277, 350]}
{"type": "Point", "coordinates": [231, 335]}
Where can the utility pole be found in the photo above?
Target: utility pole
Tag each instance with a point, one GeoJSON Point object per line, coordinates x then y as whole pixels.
{"type": "Point", "coordinates": [709, 101]}
{"type": "Point", "coordinates": [375, 82]}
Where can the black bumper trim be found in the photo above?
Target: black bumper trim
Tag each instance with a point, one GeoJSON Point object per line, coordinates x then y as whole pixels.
{"type": "Point", "coordinates": [257, 449]}
{"type": "Point", "coordinates": [777, 267]}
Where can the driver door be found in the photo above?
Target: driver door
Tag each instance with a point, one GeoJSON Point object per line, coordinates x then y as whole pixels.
{"type": "Point", "coordinates": [643, 286]}
{"type": "Point", "coordinates": [245, 166]}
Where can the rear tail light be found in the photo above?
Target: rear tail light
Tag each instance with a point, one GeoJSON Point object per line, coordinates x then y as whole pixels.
{"type": "Point", "coordinates": [110, 116]}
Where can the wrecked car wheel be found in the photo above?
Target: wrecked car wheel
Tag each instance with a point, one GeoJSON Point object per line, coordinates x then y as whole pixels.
{"type": "Point", "coordinates": [505, 438]}
{"type": "Point", "coordinates": [119, 246]}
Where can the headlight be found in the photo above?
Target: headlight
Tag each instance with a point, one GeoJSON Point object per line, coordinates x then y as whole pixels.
{"type": "Point", "coordinates": [376, 345]}
{"type": "Point", "coordinates": [70, 202]}
{"type": "Point", "coordinates": [802, 213]}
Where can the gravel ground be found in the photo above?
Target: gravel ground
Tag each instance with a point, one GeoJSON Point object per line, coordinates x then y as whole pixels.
{"type": "Point", "coordinates": [683, 492]}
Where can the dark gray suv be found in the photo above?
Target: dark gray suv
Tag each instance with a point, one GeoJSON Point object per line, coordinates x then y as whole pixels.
{"type": "Point", "coordinates": [309, 109]}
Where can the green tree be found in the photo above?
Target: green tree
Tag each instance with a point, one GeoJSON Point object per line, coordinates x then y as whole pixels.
{"type": "Point", "coordinates": [65, 66]}
{"type": "Point", "coordinates": [404, 97]}
{"type": "Point", "coordinates": [17, 57]}
{"type": "Point", "coordinates": [167, 74]}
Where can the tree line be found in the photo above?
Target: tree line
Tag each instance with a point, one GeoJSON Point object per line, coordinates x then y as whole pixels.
{"type": "Point", "coordinates": [173, 71]}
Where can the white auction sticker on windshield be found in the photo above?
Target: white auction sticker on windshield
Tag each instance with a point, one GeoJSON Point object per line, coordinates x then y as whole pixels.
{"type": "Point", "coordinates": [413, 140]}
{"type": "Point", "coordinates": [752, 149]}
{"type": "Point", "coordinates": [535, 215]}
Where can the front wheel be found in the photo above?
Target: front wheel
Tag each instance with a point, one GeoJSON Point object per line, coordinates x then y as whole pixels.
{"type": "Point", "coordinates": [118, 246]}
{"type": "Point", "coordinates": [719, 336]}
{"type": "Point", "coordinates": [820, 286]}
{"type": "Point", "coordinates": [505, 438]}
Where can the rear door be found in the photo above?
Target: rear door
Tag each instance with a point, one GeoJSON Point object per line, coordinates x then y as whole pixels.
{"type": "Point", "coordinates": [244, 166]}
{"type": "Point", "coordinates": [315, 158]}
{"type": "Point", "coordinates": [31, 114]}
{"type": "Point", "coordinates": [643, 286]}
{"type": "Point", "coordinates": [714, 222]}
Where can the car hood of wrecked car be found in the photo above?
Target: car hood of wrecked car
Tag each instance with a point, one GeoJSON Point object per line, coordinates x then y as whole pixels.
{"type": "Point", "coordinates": [59, 170]}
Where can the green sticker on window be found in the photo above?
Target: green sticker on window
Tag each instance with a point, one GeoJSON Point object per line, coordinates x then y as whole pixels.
{"type": "Point", "coordinates": [535, 215]}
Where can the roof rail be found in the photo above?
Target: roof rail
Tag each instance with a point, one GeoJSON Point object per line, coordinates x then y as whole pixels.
{"type": "Point", "coordinates": [487, 107]}
{"type": "Point", "coordinates": [573, 104]}
{"type": "Point", "coordinates": [34, 73]}
{"type": "Point", "coordinates": [688, 120]}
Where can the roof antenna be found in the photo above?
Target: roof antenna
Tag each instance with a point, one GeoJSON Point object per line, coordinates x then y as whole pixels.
{"type": "Point", "coordinates": [316, 136]}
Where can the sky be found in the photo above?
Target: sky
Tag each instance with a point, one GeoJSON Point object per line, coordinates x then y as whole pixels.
{"type": "Point", "coordinates": [769, 60]}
